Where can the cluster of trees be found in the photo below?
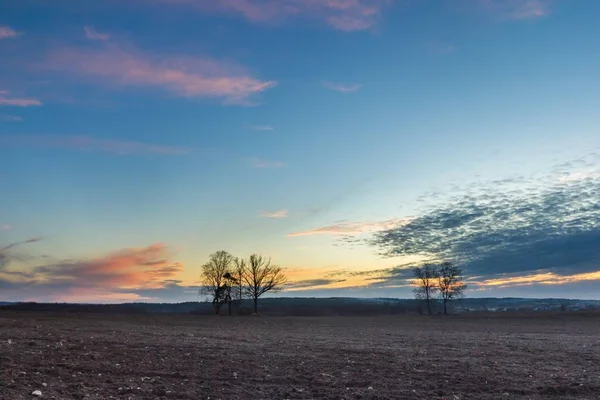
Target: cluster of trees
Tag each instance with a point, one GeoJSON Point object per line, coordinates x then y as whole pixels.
{"type": "Point", "coordinates": [229, 280]}
{"type": "Point", "coordinates": [443, 282]}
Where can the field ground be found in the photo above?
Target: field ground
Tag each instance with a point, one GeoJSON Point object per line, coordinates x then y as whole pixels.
{"type": "Point", "coordinates": [499, 356]}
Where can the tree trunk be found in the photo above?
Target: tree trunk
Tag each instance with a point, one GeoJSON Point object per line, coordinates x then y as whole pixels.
{"type": "Point", "coordinates": [229, 305]}
{"type": "Point", "coordinates": [429, 306]}
{"type": "Point", "coordinates": [256, 305]}
{"type": "Point", "coordinates": [445, 309]}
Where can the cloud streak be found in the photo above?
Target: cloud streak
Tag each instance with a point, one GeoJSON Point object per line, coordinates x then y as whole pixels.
{"type": "Point", "coordinates": [516, 9]}
{"type": "Point", "coordinates": [6, 251]}
{"type": "Point", "coordinates": [6, 100]}
{"type": "Point", "coordinates": [343, 15]}
{"type": "Point", "coordinates": [183, 76]}
{"type": "Point", "coordinates": [259, 163]}
{"type": "Point", "coordinates": [341, 87]}
{"type": "Point", "coordinates": [89, 144]}
{"type": "Point", "coordinates": [262, 128]}
{"type": "Point", "coordinates": [275, 214]}
{"type": "Point", "coordinates": [7, 32]}
{"type": "Point", "coordinates": [353, 228]}
{"type": "Point", "coordinates": [93, 34]}
{"type": "Point", "coordinates": [10, 118]}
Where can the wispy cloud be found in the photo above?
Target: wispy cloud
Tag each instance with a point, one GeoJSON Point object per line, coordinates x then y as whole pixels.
{"type": "Point", "coordinates": [183, 76]}
{"type": "Point", "coordinates": [7, 32]}
{"type": "Point", "coordinates": [93, 34]}
{"type": "Point", "coordinates": [353, 228]}
{"type": "Point", "coordinates": [259, 163]}
{"type": "Point", "coordinates": [341, 87]}
{"type": "Point", "coordinates": [85, 143]}
{"type": "Point", "coordinates": [6, 254]}
{"type": "Point", "coordinates": [516, 9]}
{"type": "Point", "coordinates": [262, 128]}
{"type": "Point", "coordinates": [343, 15]}
{"type": "Point", "coordinates": [275, 214]}
{"type": "Point", "coordinates": [7, 100]}
{"type": "Point", "coordinates": [10, 118]}
{"type": "Point", "coordinates": [5, 227]}
{"type": "Point", "coordinates": [311, 283]}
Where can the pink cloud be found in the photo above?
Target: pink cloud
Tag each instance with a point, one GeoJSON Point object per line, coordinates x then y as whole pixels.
{"type": "Point", "coordinates": [110, 277]}
{"type": "Point", "coordinates": [93, 34]}
{"type": "Point", "coordinates": [353, 228]}
{"type": "Point", "coordinates": [341, 87]}
{"type": "Point", "coordinates": [275, 214]}
{"type": "Point", "coordinates": [183, 76]}
{"type": "Point", "coordinates": [130, 268]}
{"type": "Point", "coordinates": [84, 143]}
{"type": "Point", "coordinates": [344, 15]}
{"type": "Point", "coordinates": [5, 227]}
{"type": "Point", "coordinates": [6, 100]}
{"type": "Point", "coordinates": [516, 9]}
{"type": "Point", "coordinates": [7, 32]}
{"type": "Point", "coordinates": [258, 163]}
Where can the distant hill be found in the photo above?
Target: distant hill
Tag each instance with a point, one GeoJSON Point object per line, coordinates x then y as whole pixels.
{"type": "Point", "coordinates": [319, 306]}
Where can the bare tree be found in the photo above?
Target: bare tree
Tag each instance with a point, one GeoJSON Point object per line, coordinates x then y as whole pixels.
{"type": "Point", "coordinates": [216, 278]}
{"type": "Point", "coordinates": [261, 277]}
{"type": "Point", "coordinates": [239, 271]}
{"type": "Point", "coordinates": [230, 283]}
{"type": "Point", "coordinates": [426, 280]}
{"type": "Point", "coordinates": [450, 283]}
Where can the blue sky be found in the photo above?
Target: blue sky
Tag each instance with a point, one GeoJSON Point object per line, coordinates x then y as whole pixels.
{"type": "Point", "coordinates": [138, 138]}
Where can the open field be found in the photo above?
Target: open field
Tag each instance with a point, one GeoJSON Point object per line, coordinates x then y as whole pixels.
{"type": "Point", "coordinates": [499, 356]}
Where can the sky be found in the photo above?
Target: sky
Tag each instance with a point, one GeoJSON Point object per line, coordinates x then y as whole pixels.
{"type": "Point", "coordinates": [348, 140]}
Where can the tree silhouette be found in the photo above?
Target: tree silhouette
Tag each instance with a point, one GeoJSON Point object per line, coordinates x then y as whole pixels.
{"type": "Point", "coordinates": [426, 281]}
{"type": "Point", "coordinates": [450, 283]}
{"type": "Point", "coordinates": [239, 271]}
{"type": "Point", "coordinates": [216, 278]}
{"type": "Point", "coordinates": [261, 277]}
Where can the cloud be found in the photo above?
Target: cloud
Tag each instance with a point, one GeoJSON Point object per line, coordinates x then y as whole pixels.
{"type": "Point", "coordinates": [6, 252]}
{"type": "Point", "coordinates": [528, 227]}
{"type": "Point", "coordinates": [183, 76]}
{"type": "Point", "coordinates": [516, 9]}
{"type": "Point", "coordinates": [258, 163]}
{"type": "Point", "coordinates": [93, 34]}
{"type": "Point", "coordinates": [7, 32]}
{"type": "Point", "coordinates": [262, 128]}
{"type": "Point", "coordinates": [10, 118]}
{"type": "Point", "coordinates": [342, 88]}
{"type": "Point", "coordinates": [310, 283]}
{"type": "Point", "coordinates": [548, 278]}
{"type": "Point", "coordinates": [353, 228]}
{"type": "Point", "coordinates": [5, 100]}
{"type": "Point", "coordinates": [89, 144]}
{"type": "Point", "coordinates": [343, 15]}
{"type": "Point", "coordinates": [275, 214]}
{"type": "Point", "coordinates": [114, 276]}
{"type": "Point", "coordinates": [5, 227]}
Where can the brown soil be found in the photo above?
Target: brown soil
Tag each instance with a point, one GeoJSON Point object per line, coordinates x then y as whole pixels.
{"type": "Point", "coordinates": [535, 356]}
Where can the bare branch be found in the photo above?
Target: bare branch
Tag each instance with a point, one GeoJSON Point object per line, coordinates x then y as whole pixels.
{"type": "Point", "coordinates": [261, 277]}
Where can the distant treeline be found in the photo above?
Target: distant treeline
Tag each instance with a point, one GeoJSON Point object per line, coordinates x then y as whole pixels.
{"type": "Point", "coordinates": [318, 306]}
